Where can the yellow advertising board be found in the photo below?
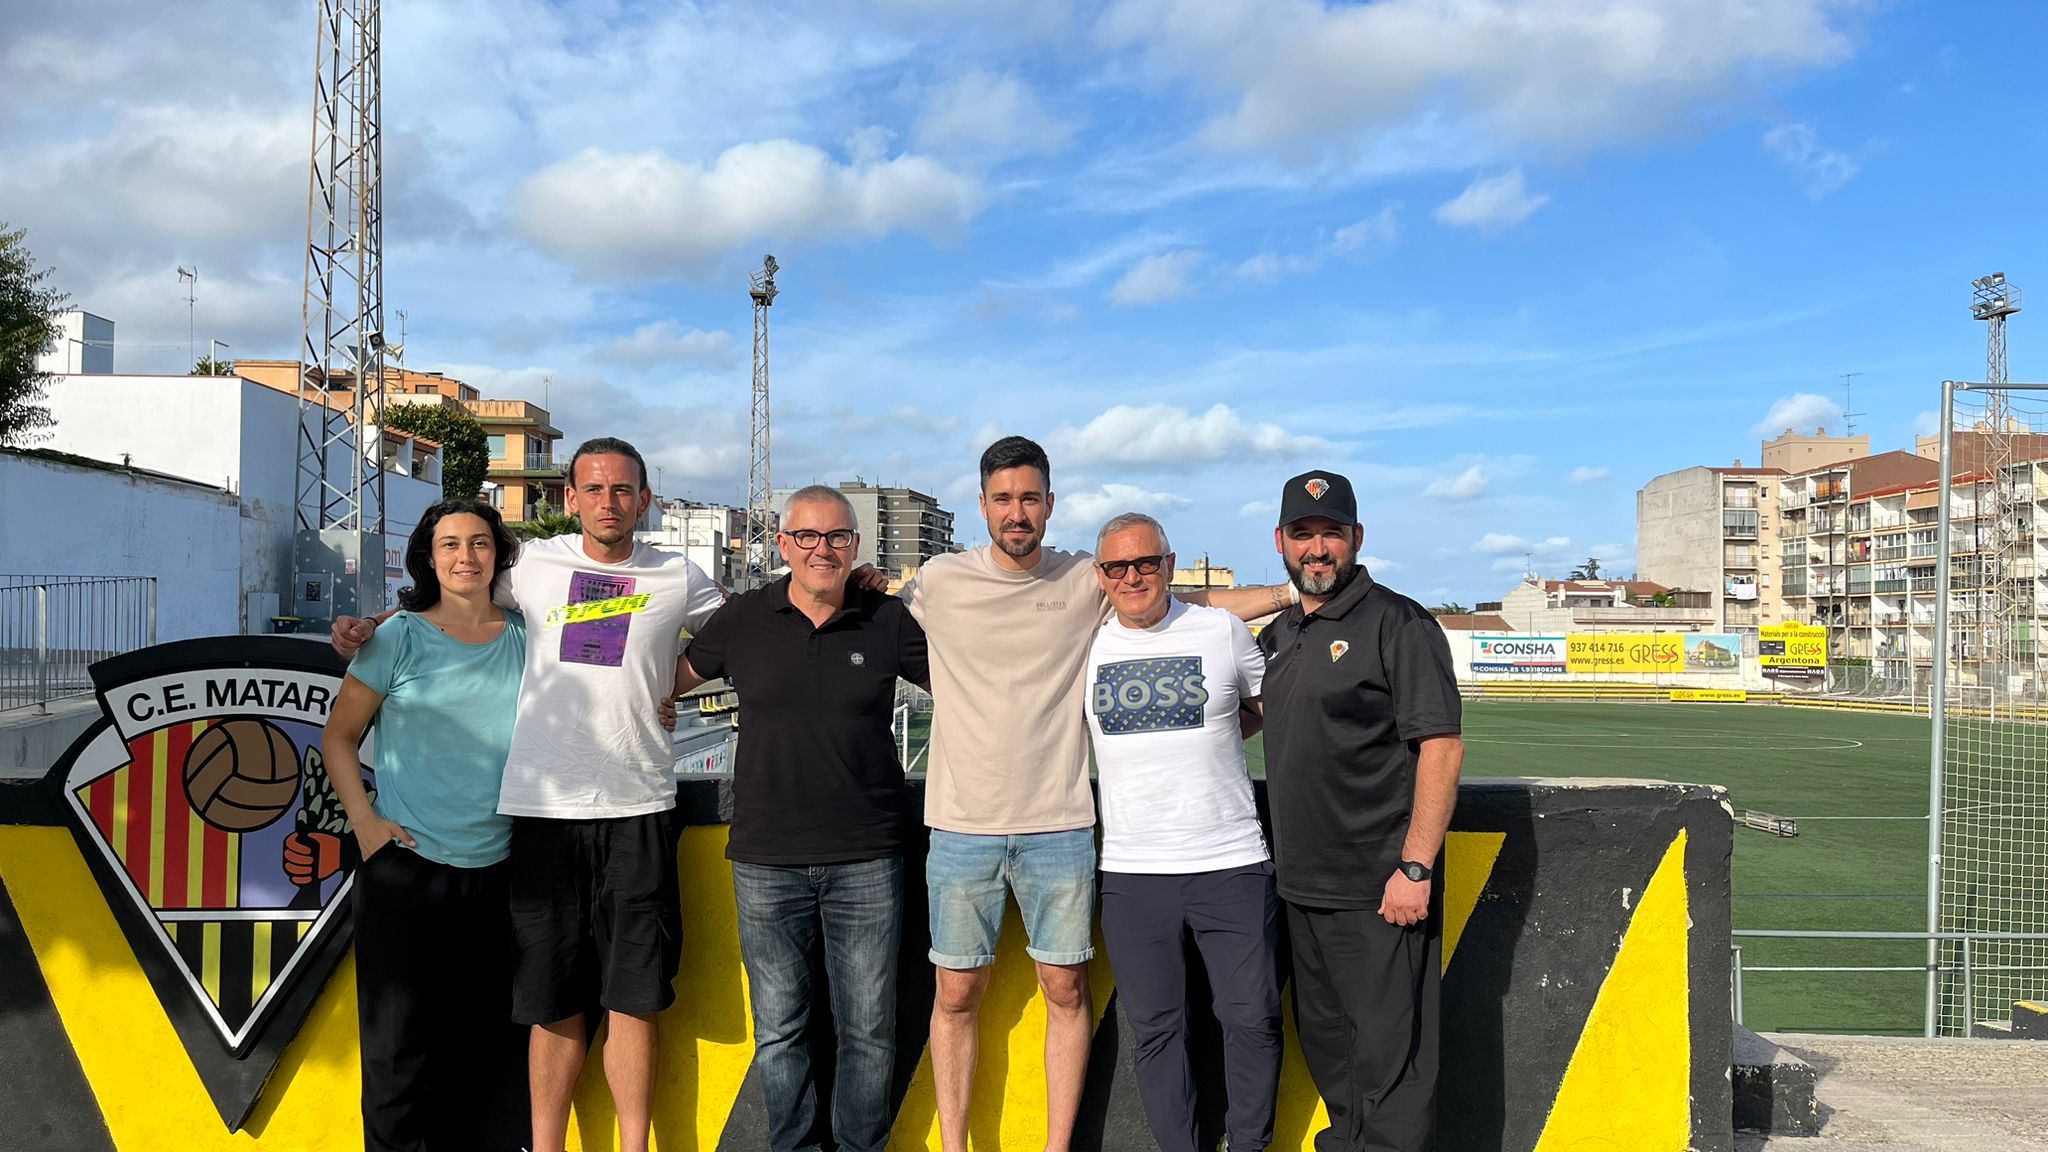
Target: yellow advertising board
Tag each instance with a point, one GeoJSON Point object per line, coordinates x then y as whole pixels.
{"type": "Point", "coordinates": [1709, 695]}
{"type": "Point", "coordinates": [1624, 652]}
{"type": "Point", "coordinates": [1792, 645]}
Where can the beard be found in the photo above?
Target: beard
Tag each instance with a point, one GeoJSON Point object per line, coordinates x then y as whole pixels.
{"type": "Point", "coordinates": [1343, 571]}
{"type": "Point", "coordinates": [1016, 550]}
{"type": "Point", "coordinates": [613, 536]}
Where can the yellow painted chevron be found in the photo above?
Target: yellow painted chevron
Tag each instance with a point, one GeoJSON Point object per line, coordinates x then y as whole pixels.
{"type": "Point", "coordinates": [1008, 1110]}
{"type": "Point", "coordinates": [1468, 863]}
{"type": "Point", "coordinates": [1637, 1044]}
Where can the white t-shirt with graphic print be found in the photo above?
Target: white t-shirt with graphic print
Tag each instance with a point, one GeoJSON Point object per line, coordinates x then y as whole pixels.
{"type": "Point", "coordinates": [601, 649]}
{"type": "Point", "coordinates": [1162, 710]}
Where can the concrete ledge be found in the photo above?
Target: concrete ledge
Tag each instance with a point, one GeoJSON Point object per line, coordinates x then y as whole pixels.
{"type": "Point", "coordinates": [1774, 1090]}
{"type": "Point", "coordinates": [31, 741]}
{"type": "Point", "coordinates": [2029, 1020]}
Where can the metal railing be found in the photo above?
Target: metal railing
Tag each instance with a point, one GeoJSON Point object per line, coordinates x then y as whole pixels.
{"type": "Point", "coordinates": [1933, 967]}
{"type": "Point", "coordinates": [53, 628]}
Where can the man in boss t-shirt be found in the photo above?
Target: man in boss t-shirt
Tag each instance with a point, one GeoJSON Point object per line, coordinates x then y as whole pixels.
{"type": "Point", "coordinates": [1007, 794]}
{"type": "Point", "coordinates": [596, 915]}
{"type": "Point", "coordinates": [1168, 684]}
{"type": "Point", "coordinates": [1362, 759]}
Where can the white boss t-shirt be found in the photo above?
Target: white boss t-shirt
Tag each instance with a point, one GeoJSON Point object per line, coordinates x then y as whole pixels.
{"type": "Point", "coordinates": [601, 646]}
{"type": "Point", "coordinates": [1162, 709]}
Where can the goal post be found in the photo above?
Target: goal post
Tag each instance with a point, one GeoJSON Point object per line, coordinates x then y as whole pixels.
{"type": "Point", "coordinates": [1987, 868]}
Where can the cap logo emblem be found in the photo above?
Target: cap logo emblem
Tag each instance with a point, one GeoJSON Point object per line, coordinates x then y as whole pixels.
{"type": "Point", "coordinates": [1316, 487]}
{"type": "Point", "coordinates": [1338, 648]}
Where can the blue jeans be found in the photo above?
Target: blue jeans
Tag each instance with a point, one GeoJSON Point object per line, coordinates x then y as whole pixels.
{"type": "Point", "coordinates": [1052, 874]}
{"type": "Point", "coordinates": [861, 907]}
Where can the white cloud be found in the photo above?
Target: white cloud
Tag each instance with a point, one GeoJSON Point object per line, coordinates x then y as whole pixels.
{"type": "Point", "coordinates": [1926, 423]}
{"type": "Point", "coordinates": [982, 114]}
{"type": "Point", "coordinates": [664, 342]}
{"type": "Point", "coordinates": [1467, 485]}
{"type": "Point", "coordinates": [1253, 508]}
{"type": "Point", "coordinates": [1491, 203]}
{"type": "Point", "coordinates": [1819, 169]}
{"type": "Point", "coordinates": [1801, 412]}
{"type": "Point", "coordinates": [648, 215]}
{"type": "Point", "coordinates": [1380, 564]}
{"type": "Point", "coordinates": [1497, 543]}
{"type": "Point", "coordinates": [1303, 79]}
{"type": "Point", "coordinates": [1093, 506]}
{"type": "Point", "coordinates": [1160, 434]}
{"type": "Point", "coordinates": [1157, 278]}
{"type": "Point", "coordinates": [1379, 230]}
{"type": "Point", "coordinates": [1586, 474]}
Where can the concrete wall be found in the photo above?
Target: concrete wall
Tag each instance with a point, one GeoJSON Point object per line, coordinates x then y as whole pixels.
{"type": "Point", "coordinates": [228, 431]}
{"type": "Point", "coordinates": [1585, 1000]}
{"type": "Point", "coordinates": [68, 520]}
{"type": "Point", "coordinates": [1678, 531]}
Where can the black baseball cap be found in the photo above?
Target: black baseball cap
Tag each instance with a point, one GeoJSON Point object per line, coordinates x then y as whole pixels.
{"type": "Point", "coordinates": [1318, 494]}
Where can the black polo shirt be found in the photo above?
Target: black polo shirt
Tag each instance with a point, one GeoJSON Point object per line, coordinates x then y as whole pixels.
{"type": "Point", "coordinates": [816, 779]}
{"type": "Point", "coordinates": [1350, 691]}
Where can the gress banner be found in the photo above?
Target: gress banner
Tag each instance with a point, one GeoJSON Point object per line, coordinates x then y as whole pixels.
{"type": "Point", "coordinates": [1792, 645]}
{"type": "Point", "coordinates": [1540, 655]}
{"type": "Point", "coordinates": [1713, 652]}
{"type": "Point", "coordinates": [1625, 652]}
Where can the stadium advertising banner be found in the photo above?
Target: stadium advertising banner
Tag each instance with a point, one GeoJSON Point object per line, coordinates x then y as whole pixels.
{"type": "Point", "coordinates": [1624, 652]}
{"type": "Point", "coordinates": [1709, 695]}
{"type": "Point", "coordinates": [1539, 655]}
{"type": "Point", "coordinates": [1713, 652]}
{"type": "Point", "coordinates": [1792, 645]}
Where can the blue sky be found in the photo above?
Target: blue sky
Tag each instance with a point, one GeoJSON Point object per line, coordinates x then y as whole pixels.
{"type": "Point", "coordinates": [1500, 262]}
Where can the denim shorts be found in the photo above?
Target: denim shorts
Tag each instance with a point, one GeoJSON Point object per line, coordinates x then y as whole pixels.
{"type": "Point", "coordinates": [1053, 875]}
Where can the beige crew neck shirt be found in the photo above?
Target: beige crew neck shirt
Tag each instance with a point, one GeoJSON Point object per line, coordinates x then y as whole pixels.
{"type": "Point", "coordinates": [1009, 653]}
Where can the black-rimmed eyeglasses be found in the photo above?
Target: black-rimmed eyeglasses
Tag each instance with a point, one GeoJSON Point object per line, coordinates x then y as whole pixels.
{"type": "Point", "coordinates": [1146, 566]}
{"type": "Point", "coordinates": [808, 538]}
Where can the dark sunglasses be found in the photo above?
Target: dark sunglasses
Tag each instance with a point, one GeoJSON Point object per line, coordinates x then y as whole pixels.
{"type": "Point", "coordinates": [1146, 566]}
{"type": "Point", "coordinates": [807, 538]}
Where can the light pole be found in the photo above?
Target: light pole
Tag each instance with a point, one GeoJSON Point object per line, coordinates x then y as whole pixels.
{"type": "Point", "coordinates": [213, 348]}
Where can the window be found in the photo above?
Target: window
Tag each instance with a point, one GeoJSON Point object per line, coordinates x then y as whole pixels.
{"type": "Point", "coordinates": [497, 447]}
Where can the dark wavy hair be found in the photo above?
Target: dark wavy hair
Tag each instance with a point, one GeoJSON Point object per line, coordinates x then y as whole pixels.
{"type": "Point", "coordinates": [425, 590]}
{"type": "Point", "coordinates": [1014, 452]}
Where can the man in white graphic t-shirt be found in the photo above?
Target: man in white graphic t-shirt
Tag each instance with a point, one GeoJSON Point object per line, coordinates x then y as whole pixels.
{"type": "Point", "coordinates": [1172, 691]}
{"type": "Point", "coordinates": [596, 914]}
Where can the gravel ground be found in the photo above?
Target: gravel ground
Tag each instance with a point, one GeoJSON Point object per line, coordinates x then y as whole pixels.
{"type": "Point", "coordinates": [1883, 1094]}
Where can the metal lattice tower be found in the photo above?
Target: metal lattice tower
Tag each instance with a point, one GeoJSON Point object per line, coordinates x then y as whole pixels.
{"type": "Point", "coordinates": [760, 554]}
{"type": "Point", "coordinates": [341, 481]}
{"type": "Point", "coordinates": [2004, 601]}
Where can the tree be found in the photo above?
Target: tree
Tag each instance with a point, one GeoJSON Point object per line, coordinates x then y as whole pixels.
{"type": "Point", "coordinates": [547, 524]}
{"type": "Point", "coordinates": [1590, 570]}
{"type": "Point", "coordinates": [28, 326]}
{"type": "Point", "coordinates": [208, 366]}
{"type": "Point", "coordinates": [465, 449]}
{"type": "Point", "coordinates": [1450, 608]}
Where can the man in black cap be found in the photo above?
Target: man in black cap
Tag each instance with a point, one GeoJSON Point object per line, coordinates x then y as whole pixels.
{"type": "Point", "coordinates": [1362, 758]}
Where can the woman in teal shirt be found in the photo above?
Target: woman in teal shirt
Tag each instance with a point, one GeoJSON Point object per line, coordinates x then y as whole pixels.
{"type": "Point", "coordinates": [444, 1067]}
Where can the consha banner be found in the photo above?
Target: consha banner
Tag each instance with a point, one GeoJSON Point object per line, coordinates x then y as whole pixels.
{"type": "Point", "coordinates": [1510, 655]}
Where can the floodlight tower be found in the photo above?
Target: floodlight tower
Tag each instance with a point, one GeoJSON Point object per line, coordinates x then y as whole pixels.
{"type": "Point", "coordinates": [338, 561]}
{"type": "Point", "coordinates": [760, 553]}
{"type": "Point", "coordinates": [2002, 603]}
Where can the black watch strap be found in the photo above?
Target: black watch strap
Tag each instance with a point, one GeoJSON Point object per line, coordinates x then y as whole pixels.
{"type": "Point", "coordinates": [1415, 870]}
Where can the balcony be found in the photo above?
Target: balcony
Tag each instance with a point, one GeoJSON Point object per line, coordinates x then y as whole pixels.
{"type": "Point", "coordinates": [1739, 525]}
{"type": "Point", "coordinates": [1741, 618]}
{"type": "Point", "coordinates": [1890, 586]}
{"type": "Point", "coordinates": [1793, 588]}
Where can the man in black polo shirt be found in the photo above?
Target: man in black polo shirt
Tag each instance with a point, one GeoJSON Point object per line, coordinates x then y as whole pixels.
{"type": "Point", "coordinates": [1362, 756]}
{"type": "Point", "coordinates": [820, 814]}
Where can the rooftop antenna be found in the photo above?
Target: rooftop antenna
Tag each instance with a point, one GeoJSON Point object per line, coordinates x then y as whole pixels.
{"type": "Point", "coordinates": [189, 277]}
{"type": "Point", "coordinates": [1849, 413]}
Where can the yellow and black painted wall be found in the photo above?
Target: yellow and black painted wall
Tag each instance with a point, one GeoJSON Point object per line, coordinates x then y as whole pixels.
{"type": "Point", "coordinates": [1585, 950]}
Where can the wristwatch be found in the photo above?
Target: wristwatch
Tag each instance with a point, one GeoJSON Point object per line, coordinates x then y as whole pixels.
{"type": "Point", "coordinates": [1415, 871]}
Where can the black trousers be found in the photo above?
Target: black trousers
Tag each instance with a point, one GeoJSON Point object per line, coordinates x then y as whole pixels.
{"type": "Point", "coordinates": [1365, 1001]}
{"type": "Point", "coordinates": [1235, 919]}
{"type": "Point", "coordinates": [444, 1067]}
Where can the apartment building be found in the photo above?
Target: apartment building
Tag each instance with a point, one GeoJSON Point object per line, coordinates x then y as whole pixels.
{"type": "Point", "coordinates": [1854, 538]}
{"type": "Point", "coordinates": [900, 528]}
{"type": "Point", "coordinates": [526, 475]}
{"type": "Point", "coordinates": [1710, 530]}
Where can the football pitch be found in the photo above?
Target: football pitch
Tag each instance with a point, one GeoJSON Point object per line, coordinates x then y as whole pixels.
{"type": "Point", "coordinates": [1856, 782]}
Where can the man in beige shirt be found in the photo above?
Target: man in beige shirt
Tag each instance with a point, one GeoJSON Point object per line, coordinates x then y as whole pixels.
{"type": "Point", "coordinates": [1007, 798]}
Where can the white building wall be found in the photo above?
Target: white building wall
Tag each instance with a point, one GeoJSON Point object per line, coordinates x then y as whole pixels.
{"type": "Point", "coordinates": [93, 522]}
{"type": "Point", "coordinates": [84, 343]}
{"type": "Point", "coordinates": [233, 432]}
